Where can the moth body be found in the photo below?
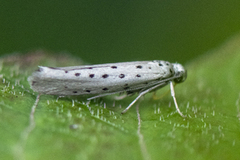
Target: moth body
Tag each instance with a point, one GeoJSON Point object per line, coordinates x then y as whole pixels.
{"type": "Point", "coordinates": [106, 79]}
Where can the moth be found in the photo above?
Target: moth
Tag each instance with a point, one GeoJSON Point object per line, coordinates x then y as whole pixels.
{"type": "Point", "coordinates": [106, 79]}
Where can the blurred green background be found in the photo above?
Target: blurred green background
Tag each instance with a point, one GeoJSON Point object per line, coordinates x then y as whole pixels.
{"type": "Point", "coordinates": [112, 31]}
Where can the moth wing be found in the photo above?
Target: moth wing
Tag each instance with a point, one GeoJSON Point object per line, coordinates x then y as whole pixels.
{"type": "Point", "coordinates": [100, 79]}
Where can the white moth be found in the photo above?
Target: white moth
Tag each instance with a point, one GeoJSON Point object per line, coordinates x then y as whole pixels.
{"type": "Point", "coordinates": [106, 79]}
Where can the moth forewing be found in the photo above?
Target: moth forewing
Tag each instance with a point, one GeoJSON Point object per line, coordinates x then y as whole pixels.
{"type": "Point", "coordinates": [105, 79]}
{"type": "Point", "coordinates": [99, 79]}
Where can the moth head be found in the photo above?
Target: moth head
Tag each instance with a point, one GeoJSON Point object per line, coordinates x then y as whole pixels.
{"type": "Point", "coordinates": [180, 73]}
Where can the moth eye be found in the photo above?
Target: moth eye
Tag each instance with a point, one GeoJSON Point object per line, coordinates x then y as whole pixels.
{"type": "Point", "coordinates": [66, 71]}
{"type": "Point", "coordinates": [105, 89]}
{"type": "Point", "coordinates": [160, 64]}
{"type": "Point", "coordinates": [138, 75]}
{"type": "Point", "coordinates": [74, 91]}
{"type": "Point", "coordinates": [88, 91]}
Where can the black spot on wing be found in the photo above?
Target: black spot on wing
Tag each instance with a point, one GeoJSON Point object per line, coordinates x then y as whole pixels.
{"type": "Point", "coordinates": [114, 67]}
{"type": "Point", "coordinates": [121, 76]}
{"type": "Point", "coordinates": [77, 74]}
{"type": "Point", "coordinates": [139, 67]}
{"type": "Point", "coordinates": [91, 75]}
{"type": "Point", "coordinates": [105, 89]}
{"type": "Point", "coordinates": [105, 75]}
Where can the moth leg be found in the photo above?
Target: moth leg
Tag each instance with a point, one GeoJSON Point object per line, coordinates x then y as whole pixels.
{"type": "Point", "coordinates": [174, 99]}
{"type": "Point", "coordinates": [140, 95]}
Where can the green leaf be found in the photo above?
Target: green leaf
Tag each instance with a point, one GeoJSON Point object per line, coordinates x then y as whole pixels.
{"type": "Point", "coordinates": [70, 128]}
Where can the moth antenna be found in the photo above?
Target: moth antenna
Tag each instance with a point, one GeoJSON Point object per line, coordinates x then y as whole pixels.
{"type": "Point", "coordinates": [174, 99]}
